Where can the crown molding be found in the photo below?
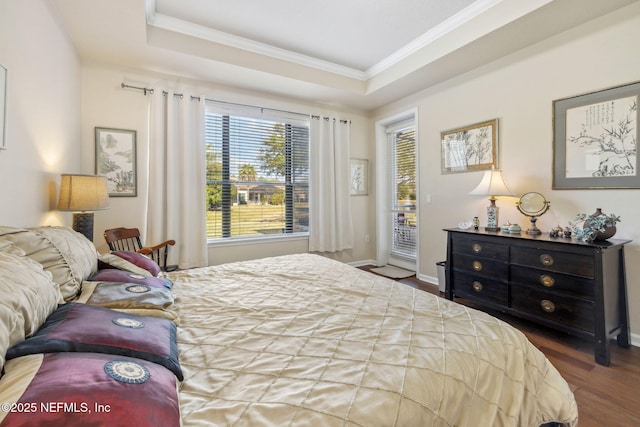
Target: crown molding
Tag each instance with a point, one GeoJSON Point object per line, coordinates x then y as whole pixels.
{"type": "Point", "coordinates": [445, 27]}
{"type": "Point", "coordinates": [169, 23]}
{"type": "Point", "coordinates": [475, 17]}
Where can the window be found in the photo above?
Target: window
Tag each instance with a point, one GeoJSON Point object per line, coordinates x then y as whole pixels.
{"type": "Point", "coordinates": [402, 162]}
{"type": "Point", "coordinates": [257, 172]}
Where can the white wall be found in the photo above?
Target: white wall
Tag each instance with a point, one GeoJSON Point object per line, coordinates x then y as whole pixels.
{"type": "Point", "coordinates": [519, 90]}
{"type": "Point", "coordinates": [106, 104]}
{"type": "Point", "coordinates": [43, 113]}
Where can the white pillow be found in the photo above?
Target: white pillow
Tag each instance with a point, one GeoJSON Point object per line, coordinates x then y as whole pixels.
{"type": "Point", "coordinates": [67, 254]}
{"type": "Point", "coordinates": [29, 296]}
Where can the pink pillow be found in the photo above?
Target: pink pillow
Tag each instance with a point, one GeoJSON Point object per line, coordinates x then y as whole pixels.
{"type": "Point", "coordinates": [140, 261]}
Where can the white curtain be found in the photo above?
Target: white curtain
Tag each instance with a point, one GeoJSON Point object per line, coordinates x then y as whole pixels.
{"type": "Point", "coordinates": [330, 226]}
{"type": "Point", "coordinates": [177, 171]}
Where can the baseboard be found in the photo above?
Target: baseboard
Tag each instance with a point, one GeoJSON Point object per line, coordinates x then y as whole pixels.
{"type": "Point", "coordinates": [429, 279]}
{"type": "Point", "coordinates": [634, 340]}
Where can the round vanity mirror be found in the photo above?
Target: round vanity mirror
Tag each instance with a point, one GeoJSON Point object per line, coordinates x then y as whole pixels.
{"type": "Point", "coordinates": [533, 205]}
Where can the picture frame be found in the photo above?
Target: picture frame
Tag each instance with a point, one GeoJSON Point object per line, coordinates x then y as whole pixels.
{"type": "Point", "coordinates": [470, 148]}
{"type": "Point", "coordinates": [116, 159]}
{"type": "Point", "coordinates": [3, 108]}
{"type": "Point", "coordinates": [359, 184]}
{"type": "Point", "coordinates": [594, 139]}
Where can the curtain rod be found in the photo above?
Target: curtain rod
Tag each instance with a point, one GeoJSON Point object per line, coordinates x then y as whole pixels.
{"type": "Point", "coordinates": [255, 106]}
{"type": "Point", "coordinates": [146, 90]}
{"type": "Point", "coordinates": [180, 95]}
{"type": "Point", "coordinates": [329, 118]}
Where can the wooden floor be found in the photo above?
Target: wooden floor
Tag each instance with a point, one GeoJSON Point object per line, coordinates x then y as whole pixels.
{"type": "Point", "coordinates": [606, 396]}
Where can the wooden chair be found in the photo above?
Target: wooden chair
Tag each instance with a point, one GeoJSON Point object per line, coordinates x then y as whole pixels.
{"type": "Point", "coordinates": [128, 239]}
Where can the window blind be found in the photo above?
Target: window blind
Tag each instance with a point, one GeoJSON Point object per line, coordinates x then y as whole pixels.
{"type": "Point", "coordinates": [402, 165]}
{"type": "Point", "coordinates": [257, 173]}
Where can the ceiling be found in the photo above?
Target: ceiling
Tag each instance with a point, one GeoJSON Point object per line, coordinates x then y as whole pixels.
{"type": "Point", "coordinates": [355, 53]}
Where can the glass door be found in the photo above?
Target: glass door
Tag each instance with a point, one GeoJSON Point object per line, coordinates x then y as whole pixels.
{"type": "Point", "coordinates": [402, 164]}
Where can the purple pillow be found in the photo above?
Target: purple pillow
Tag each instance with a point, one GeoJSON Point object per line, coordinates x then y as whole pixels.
{"type": "Point", "coordinates": [139, 260]}
{"type": "Point", "coordinates": [86, 328]}
{"type": "Point", "coordinates": [95, 389]}
{"type": "Point", "coordinates": [111, 275]}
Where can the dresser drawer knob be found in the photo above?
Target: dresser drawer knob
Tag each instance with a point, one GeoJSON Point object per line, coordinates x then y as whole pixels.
{"type": "Point", "coordinates": [477, 286]}
{"type": "Point", "coordinates": [546, 259]}
{"type": "Point", "coordinates": [476, 247]}
{"type": "Point", "coordinates": [548, 306]}
{"type": "Point", "coordinates": [547, 281]}
{"type": "Point", "coordinates": [477, 265]}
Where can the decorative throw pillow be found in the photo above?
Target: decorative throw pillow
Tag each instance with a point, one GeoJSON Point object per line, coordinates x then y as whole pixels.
{"type": "Point", "coordinates": [111, 261]}
{"type": "Point", "coordinates": [140, 261]}
{"type": "Point", "coordinates": [74, 389]}
{"type": "Point", "coordinates": [86, 328]}
{"type": "Point", "coordinates": [66, 254]}
{"type": "Point", "coordinates": [111, 275]}
{"type": "Point", "coordinates": [28, 297]}
{"type": "Point", "coordinates": [129, 297]}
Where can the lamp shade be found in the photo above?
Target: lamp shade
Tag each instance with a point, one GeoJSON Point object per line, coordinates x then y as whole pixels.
{"type": "Point", "coordinates": [492, 184]}
{"type": "Point", "coordinates": [83, 193]}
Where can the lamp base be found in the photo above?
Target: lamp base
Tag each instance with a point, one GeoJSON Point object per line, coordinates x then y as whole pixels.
{"type": "Point", "coordinates": [83, 223]}
{"type": "Point", "coordinates": [492, 216]}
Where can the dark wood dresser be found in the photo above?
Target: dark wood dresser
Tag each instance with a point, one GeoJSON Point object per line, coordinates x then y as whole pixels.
{"type": "Point", "coordinates": [572, 286]}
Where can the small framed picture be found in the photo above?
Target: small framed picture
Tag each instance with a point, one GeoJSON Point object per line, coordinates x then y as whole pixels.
{"type": "Point", "coordinates": [116, 159]}
{"type": "Point", "coordinates": [359, 177]}
{"type": "Point", "coordinates": [470, 148]}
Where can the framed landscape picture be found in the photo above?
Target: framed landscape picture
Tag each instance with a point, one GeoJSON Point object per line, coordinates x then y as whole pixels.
{"type": "Point", "coordinates": [116, 159]}
{"type": "Point", "coordinates": [470, 148]}
{"type": "Point", "coordinates": [595, 139]}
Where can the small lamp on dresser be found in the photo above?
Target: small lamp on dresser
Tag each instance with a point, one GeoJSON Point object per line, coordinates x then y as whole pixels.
{"type": "Point", "coordinates": [83, 194]}
{"type": "Point", "coordinates": [493, 185]}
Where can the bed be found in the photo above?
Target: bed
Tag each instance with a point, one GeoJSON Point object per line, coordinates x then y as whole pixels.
{"type": "Point", "coordinates": [282, 341]}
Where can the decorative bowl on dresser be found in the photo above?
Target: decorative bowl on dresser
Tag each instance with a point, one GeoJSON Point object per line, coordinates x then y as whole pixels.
{"type": "Point", "coordinates": [573, 286]}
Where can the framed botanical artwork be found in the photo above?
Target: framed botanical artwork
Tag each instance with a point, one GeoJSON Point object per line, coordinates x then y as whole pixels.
{"type": "Point", "coordinates": [116, 159]}
{"type": "Point", "coordinates": [3, 108]}
{"type": "Point", "coordinates": [595, 139]}
{"type": "Point", "coordinates": [359, 177]}
{"type": "Point", "coordinates": [470, 148]}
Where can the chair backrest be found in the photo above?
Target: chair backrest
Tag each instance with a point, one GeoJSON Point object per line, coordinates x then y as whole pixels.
{"type": "Point", "coordinates": [123, 239]}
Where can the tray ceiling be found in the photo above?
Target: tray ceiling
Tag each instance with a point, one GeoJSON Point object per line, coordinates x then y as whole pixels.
{"type": "Point", "coordinates": [356, 53]}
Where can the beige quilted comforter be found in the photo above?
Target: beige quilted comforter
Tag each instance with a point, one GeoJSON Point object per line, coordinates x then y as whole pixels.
{"type": "Point", "coordinates": [304, 340]}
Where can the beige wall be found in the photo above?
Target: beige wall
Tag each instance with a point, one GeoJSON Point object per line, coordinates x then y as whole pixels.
{"type": "Point", "coordinates": [106, 104]}
{"type": "Point", "coordinates": [43, 113]}
{"type": "Point", "coordinates": [519, 90]}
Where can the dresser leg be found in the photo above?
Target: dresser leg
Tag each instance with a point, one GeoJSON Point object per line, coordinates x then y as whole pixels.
{"type": "Point", "coordinates": [602, 354]}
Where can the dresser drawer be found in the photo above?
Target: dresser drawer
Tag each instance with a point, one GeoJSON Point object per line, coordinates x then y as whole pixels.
{"type": "Point", "coordinates": [479, 247]}
{"type": "Point", "coordinates": [482, 266]}
{"type": "Point", "coordinates": [479, 288]}
{"type": "Point", "coordinates": [562, 262]}
{"type": "Point", "coordinates": [553, 282]}
{"type": "Point", "coordinates": [571, 312]}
